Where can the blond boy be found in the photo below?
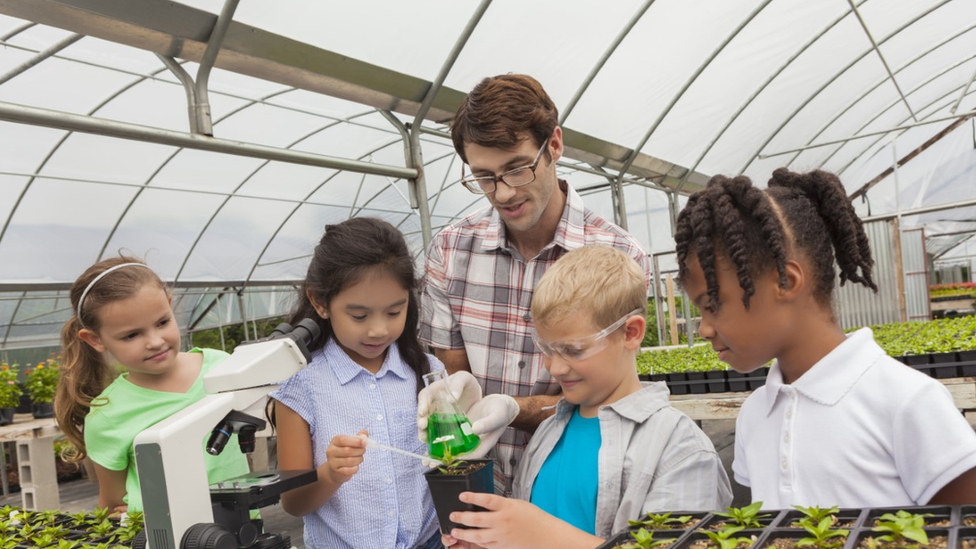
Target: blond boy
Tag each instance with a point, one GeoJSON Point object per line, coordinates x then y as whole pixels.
{"type": "Point", "coordinates": [615, 448]}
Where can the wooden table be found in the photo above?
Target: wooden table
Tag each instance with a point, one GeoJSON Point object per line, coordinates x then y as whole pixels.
{"type": "Point", "coordinates": [34, 451]}
{"type": "Point", "coordinates": [726, 405]}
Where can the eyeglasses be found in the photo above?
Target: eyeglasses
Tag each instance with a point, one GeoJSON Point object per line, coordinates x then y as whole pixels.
{"type": "Point", "coordinates": [513, 178]}
{"type": "Point", "coordinates": [583, 348]}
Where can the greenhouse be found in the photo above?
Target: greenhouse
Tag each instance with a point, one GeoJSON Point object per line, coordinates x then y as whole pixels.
{"type": "Point", "coordinates": [216, 139]}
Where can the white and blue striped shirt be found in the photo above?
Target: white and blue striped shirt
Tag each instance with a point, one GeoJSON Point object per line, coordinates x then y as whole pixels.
{"type": "Point", "coordinates": [387, 503]}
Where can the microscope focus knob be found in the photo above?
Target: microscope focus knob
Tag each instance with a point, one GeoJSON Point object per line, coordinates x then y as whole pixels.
{"type": "Point", "coordinates": [208, 536]}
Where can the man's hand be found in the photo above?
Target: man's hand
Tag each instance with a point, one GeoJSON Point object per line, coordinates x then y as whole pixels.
{"type": "Point", "coordinates": [489, 415]}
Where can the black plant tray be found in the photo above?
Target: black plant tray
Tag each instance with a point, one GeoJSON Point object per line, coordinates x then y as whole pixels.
{"type": "Point", "coordinates": [778, 526]}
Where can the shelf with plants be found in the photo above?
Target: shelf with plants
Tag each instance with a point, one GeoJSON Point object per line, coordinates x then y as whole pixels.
{"type": "Point", "coordinates": [934, 527]}
{"type": "Point", "coordinates": [21, 529]}
{"type": "Point", "coordinates": [940, 348]}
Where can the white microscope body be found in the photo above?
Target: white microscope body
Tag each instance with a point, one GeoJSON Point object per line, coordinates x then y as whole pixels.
{"type": "Point", "coordinates": [176, 493]}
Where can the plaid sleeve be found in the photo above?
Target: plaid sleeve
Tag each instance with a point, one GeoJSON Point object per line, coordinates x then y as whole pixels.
{"type": "Point", "coordinates": [438, 327]}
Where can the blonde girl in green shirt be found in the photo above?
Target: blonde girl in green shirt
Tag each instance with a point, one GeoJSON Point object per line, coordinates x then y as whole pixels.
{"type": "Point", "coordinates": [123, 316]}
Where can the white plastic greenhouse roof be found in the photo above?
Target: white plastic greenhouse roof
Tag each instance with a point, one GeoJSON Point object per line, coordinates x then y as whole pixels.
{"type": "Point", "coordinates": [97, 155]}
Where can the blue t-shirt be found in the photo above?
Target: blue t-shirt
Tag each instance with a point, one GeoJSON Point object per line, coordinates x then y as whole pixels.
{"type": "Point", "coordinates": [566, 486]}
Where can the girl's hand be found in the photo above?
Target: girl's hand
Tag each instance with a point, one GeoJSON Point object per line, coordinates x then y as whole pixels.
{"type": "Point", "coordinates": [343, 456]}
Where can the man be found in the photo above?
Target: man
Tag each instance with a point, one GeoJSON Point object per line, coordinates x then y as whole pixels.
{"type": "Point", "coordinates": [481, 270]}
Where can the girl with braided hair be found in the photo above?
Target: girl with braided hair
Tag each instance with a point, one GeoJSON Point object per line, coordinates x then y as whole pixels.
{"type": "Point", "coordinates": [838, 421]}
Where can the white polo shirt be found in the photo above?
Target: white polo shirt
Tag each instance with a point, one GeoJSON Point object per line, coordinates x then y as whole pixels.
{"type": "Point", "coordinates": [859, 429]}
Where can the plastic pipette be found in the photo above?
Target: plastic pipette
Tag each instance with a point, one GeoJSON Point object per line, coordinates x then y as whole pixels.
{"type": "Point", "coordinates": [370, 443]}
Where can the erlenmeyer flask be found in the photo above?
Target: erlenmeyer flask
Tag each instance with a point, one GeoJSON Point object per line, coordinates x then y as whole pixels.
{"type": "Point", "coordinates": [447, 426]}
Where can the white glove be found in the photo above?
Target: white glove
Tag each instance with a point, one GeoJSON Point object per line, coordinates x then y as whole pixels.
{"type": "Point", "coordinates": [489, 415]}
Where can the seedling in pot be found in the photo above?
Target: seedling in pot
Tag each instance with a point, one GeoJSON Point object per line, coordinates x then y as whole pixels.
{"type": "Point", "coordinates": [746, 517]}
{"type": "Point", "coordinates": [723, 539]}
{"type": "Point", "coordinates": [813, 515]}
{"type": "Point", "coordinates": [902, 526]}
{"type": "Point", "coordinates": [663, 521]}
{"type": "Point", "coordinates": [644, 540]}
{"type": "Point", "coordinates": [821, 536]}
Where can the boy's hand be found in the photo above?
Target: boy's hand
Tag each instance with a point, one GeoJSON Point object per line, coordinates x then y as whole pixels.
{"type": "Point", "coordinates": [343, 456]}
{"type": "Point", "coordinates": [506, 523]}
{"type": "Point", "coordinates": [489, 415]}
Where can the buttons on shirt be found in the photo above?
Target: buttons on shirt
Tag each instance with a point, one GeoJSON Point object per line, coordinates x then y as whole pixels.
{"type": "Point", "coordinates": [512, 462]}
{"type": "Point", "coordinates": [372, 385]}
{"type": "Point", "coordinates": [527, 317]}
{"type": "Point", "coordinates": [789, 414]}
{"type": "Point", "coordinates": [379, 417]}
{"type": "Point", "coordinates": [388, 480]}
{"type": "Point", "coordinates": [521, 364]}
{"type": "Point", "coordinates": [786, 437]}
{"type": "Point", "coordinates": [389, 513]}
{"type": "Point", "coordinates": [784, 464]}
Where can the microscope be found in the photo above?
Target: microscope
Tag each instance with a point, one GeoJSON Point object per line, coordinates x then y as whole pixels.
{"type": "Point", "coordinates": [181, 509]}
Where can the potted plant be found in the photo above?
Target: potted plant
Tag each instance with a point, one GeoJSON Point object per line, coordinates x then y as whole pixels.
{"type": "Point", "coordinates": [641, 539]}
{"type": "Point", "coordinates": [746, 517]}
{"type": "Point", "coordinates": [816, 535]}
{"type": "Point", "coordinates": [728, 537]}
{"type": "Point", "coordinates": [41, 383]}
{"type": "Point", "coordinates": [664, 521]}
{"type": "Point", "coordinates": [9, 393]}
{"type": "Point", "coordinates": [901, 530]}
{"type": "Point", "coordinates": [802, 516]}
{"type": "Point", "coordinates": [453, 477]}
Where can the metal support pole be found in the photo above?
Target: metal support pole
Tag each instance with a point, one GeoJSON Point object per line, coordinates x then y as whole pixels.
{"type": "Point", "coordinates": [418, 184]}
{"type": "Point", "coordinates": [240, 305]}
{"type": "Point", "coordinates": [657, 299]}
{"type": "Point", "coordinates": [100, 126]}
{"type": "Point", "coordinates": [55, 48]}
{"type": "Point", "coordinates": [874, 44]}
{"type": "Point", "coordinates": [201, 109]}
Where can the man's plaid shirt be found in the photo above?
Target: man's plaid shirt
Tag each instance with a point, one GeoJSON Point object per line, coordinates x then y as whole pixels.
{"type": "Point", "coordinates": [477, 296]}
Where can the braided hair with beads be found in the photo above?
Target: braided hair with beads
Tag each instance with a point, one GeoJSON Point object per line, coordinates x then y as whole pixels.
{"type": "Point", "coordinates": [806, 215]}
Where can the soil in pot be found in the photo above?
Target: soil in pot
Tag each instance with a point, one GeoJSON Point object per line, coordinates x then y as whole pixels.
{"type": "Point", "coordinates": [967, 538]}
{"type": "Point", "coordinates": [843, 518]}
{"type": "Point", "coordinates": [474, 475]}
{"type": "Point", "coordinates": [938, 539]}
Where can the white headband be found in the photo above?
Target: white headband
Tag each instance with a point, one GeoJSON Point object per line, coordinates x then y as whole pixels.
{"type": "Point", "coordinates": [99, 277]}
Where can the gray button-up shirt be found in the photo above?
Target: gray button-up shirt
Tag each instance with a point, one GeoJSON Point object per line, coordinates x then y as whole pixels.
{"type": "Point", "coordinates": [653, 458]}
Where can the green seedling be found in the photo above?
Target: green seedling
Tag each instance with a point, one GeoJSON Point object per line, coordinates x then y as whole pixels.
{"type": "Point", "coordinates": [56, 531]}
{"type": "Point", "coordinates": [101, 530]}
{"type": "Point", "coordinates": [44, 540]}
{"type": "Point", "coordinates": [813, 515]}
{"type": "Point", "coordinates": [821, 536]}
{"type": "Point", "coordinates": [99, 514]}
{"type": "Point", "coordinates": [46, 517]}
{"type": "Point", "coordinates": [901, 526]}
{"type": "Point", "coordinates": [644, 540]}
{"type": "Point", "coordinates": [724, 539]}
{"type": "Point", "coordinates": [28, 531]}
{"type": "Point", "coordinates": [79, 519]}
{"type": "Point", "coordinates": [9, 543]}
{"type": "Point", "coordinates": [747, 517]}
{"type": "Point", "coordinates": [659, 522]}
{"type": "Point", "coordinates": [451, 465]}
{"type": "Point", "coordinates": [67, 544]}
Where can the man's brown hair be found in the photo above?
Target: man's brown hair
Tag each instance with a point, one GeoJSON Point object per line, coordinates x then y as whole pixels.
{"type": "Point", "coordinates": [500, 110]}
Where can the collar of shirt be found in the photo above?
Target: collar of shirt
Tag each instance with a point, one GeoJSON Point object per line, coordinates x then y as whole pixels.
{"type": "Point", "coordinates": [346, 369]}
{"type": "Point", "coordinates": [834, 375]}
{"type": "Point", "coordinates": [636, 407]}
{"type": "Point", "coordinates": [569, 230]}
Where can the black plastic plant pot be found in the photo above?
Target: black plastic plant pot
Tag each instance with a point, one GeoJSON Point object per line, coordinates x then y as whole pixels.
{"type": "Point", "coordinates": [967, 368]}
{"type": "Point", "coordinates": [622, 538]}
{"type": "Point", "coordinates": [966, 538]}
{"type": "Point", "coordinates": [717, 381]}
{"type": "Point", "coordinates": [944, 371]}
{"type": "Point", "coordinates": [696, 383]}
{"type": "Point", "coordinates": [916, 360]}
{"type": "Point", "coordinates": [737, 381]}
{"type": "Point", "coordinates": [678, 387]}
{"type": "Point", "coordinates": [793, 536]}
{"type": "Point", "coordinates": [864, 533]}
{"type": "Point", "coordinates": [943, 358]}
{"type": "Point", "coordinates": [445, 489]}
{"type": "Point", "coordinates": [696, 518]}
{"type": "Point", "coordinates": [846, 518]}
{"type": "Point", "coordinates": [939, 514]}
{"type": "Point", "coordinates": [967, 515]}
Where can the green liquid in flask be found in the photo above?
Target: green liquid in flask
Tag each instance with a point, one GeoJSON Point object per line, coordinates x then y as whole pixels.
{"type": "Point", "coordinates": [451, 431]}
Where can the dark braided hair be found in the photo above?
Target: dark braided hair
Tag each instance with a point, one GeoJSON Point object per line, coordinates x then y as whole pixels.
{"type": "Point", "coordinates": [747, 224]}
